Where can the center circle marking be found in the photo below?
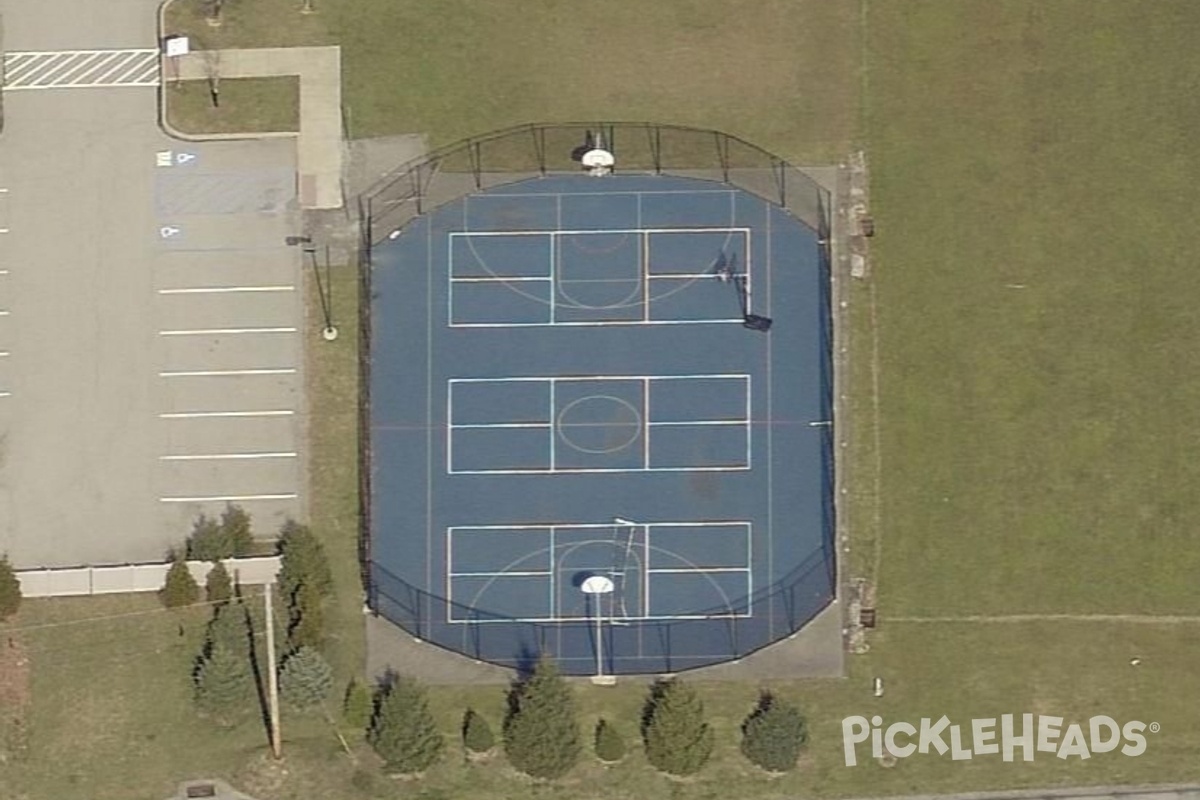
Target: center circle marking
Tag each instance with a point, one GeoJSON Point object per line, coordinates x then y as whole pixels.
{"type": "Point", "coordinates": [609, 424]}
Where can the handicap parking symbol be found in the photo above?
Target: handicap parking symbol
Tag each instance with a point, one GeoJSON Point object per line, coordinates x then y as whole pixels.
{"type": "Point", "coordinates": [168, 158]}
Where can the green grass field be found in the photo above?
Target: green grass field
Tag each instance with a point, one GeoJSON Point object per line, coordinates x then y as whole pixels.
{"type": "Point", "coordinates": [1035, 441]}
{"type": "Point", "coordinates": [245, 105]}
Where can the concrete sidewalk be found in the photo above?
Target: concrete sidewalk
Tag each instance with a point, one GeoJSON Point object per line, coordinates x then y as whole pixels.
{"type": "Point", "coordinates": [319, 143]}
{"type": "Point", "coordinates": [1169, 791]}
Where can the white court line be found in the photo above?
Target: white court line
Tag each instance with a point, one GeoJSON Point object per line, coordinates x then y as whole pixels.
{"type": "Point", "coordinates": [212, 414]}
{"type": "Point", "coordinates": [570, 526]}
{"type": "Point", "coordinates": [553, 437]}
{"type": "Point", "coordinates": [538, 574]}
{"type": "Point", "coordinates": [221, 498]}
{"type": "Point", "coordinates": [582, 378]}
{"type": "Point", "coordinates": [223, 331]}
{"type": "Point", "coordinates": [593, 232]}
{"type": "Point", "coordinates": [691, 276]}
{"type": "Point", "coordinates": [693, 570]}
{"type": "Point", "coordinates": [645, 418]}
{"type": "Point", "coordinates": [598, 324]}
{"type": "Point", "coordinates": [500, 279]}
{"type": "Point", "coordinates": [677, 424]}
{"type": "Point", "coordinates": [224, 456]}
{"type": "Point", "coordinates": [582, 618]}
{"type": "Point", "coordinates": [638, 193]}
{"type": "Point", "coordinates": [538, 425]}
{"type": "Point", "coordinates": [220, 372]}
{"type": "Point", "coordinates": [227, 289]}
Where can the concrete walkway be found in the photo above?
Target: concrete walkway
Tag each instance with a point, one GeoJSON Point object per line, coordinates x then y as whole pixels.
{"type": "Point", "coordinates": [319, 143]}
{"type": "Point", "coordinates": [1169, 791]}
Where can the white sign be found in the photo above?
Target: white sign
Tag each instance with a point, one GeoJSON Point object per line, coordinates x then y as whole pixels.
{"type": "Point", "coordinates": [163, 158]}
{"type": "Point", "coordinates": [184, 158]}
{"type": "Point", "coordinates": [166, 231]}
{"type": "Point", "coordinates": [176, 46]}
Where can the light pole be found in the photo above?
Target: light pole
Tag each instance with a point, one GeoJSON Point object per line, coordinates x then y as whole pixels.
{"type": "Point", "coordinates": [596, 587]}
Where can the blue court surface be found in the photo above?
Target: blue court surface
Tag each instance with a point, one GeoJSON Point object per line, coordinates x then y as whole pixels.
{"type": "Point", "coordinates": [561, 386]}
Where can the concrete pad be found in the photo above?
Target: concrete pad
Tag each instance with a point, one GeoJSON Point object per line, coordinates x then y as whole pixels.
{"type": "Point", "coordinates": [319, 143]}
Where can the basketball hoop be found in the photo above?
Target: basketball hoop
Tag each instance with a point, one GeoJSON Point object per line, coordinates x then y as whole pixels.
{"type": "Point", "coordinates": [598, 162]}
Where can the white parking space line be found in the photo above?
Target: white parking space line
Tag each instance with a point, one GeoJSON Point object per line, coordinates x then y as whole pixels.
{"type": "Point", "coordinates": [223, 372]}
{"type": "Point", "coordinates": [223, 456]}
{"type": "Point", "coordinates": [224, 331]}
{"type": "Point", "coordinates": [227, 289]}
{"type": "Point", "coordinates": [212, 414]}
{"type": "Point", "coordinates": [227, 498]}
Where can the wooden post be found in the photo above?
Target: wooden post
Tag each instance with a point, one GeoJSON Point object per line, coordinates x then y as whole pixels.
{"type": "Point", "coordinates": [272, 682]}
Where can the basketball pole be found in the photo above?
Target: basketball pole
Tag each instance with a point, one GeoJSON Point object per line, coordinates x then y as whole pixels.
{"type": "Point", "coordinates": [599, 611]}
{"type": "Point", "coordinates": [272, 680]}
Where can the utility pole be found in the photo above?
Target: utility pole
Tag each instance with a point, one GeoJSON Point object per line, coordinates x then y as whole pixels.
{"type": "Point", "coordinates": [272, 682]}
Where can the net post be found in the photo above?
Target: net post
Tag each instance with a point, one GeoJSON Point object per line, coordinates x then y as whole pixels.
{"type": "Point", "coordinates": [723, 154]}
{"type": "Point", "coordinates": [656, 148]}
{"type": "Point", "coordinates": [476, 163]}
{"type": "Point", "coordinates": [539, 147]}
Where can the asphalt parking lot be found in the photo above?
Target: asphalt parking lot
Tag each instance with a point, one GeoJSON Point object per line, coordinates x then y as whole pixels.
{"type": "Point", "coordinates": [151, 313]}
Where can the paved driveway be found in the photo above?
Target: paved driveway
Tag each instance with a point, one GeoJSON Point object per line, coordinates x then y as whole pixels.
{"type": "Point", "coordinates": [152, 363]}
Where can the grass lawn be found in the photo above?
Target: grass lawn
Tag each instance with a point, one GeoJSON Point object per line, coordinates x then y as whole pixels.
{"type": "Point", "coordinates": [246, 105]}
{"type": "Point", "coordinates": [1035, 440]}
{"type": "Point", "coordinates": [333, 475]}
{"type": "Point", "coordinates": [782, 77]}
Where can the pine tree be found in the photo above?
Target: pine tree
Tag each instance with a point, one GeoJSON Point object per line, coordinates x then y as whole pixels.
{"type": "Point", "coordinates": [678, 740]}
{"type": "Point", "coordinates": [302, 561]}
{"type": "Point", "coordinates": [403, 731]}
{"type": "Point", "coordinates": [229, 628]}
{"type": "Point", "coordinates": [179, 588]}
{"type": "Point", "coordinates": [218, 586]}
{"type": "Point", "coordinates": [224, 684]}
{"type": "Point", "coordinates": [235, 532]}
{"type": "Point", "coordinates": [357, 705]}
{"type": "Point", "coordinates": [541, 733]}
{"type": "Point", "coordinates": [306, 626]}
{"type": "Point", "coordinates": [305, 679]}
{"type": "Point", "coordinates": [773, 735]}
{"type": "Point", "coordinates": [476, 733]}
{"type": "Point", "coordinates": [10, 589]}
{"type": "Point", "coordinates": [207, 542]}
{"type": "Point", "coordinates": [610, 747]}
